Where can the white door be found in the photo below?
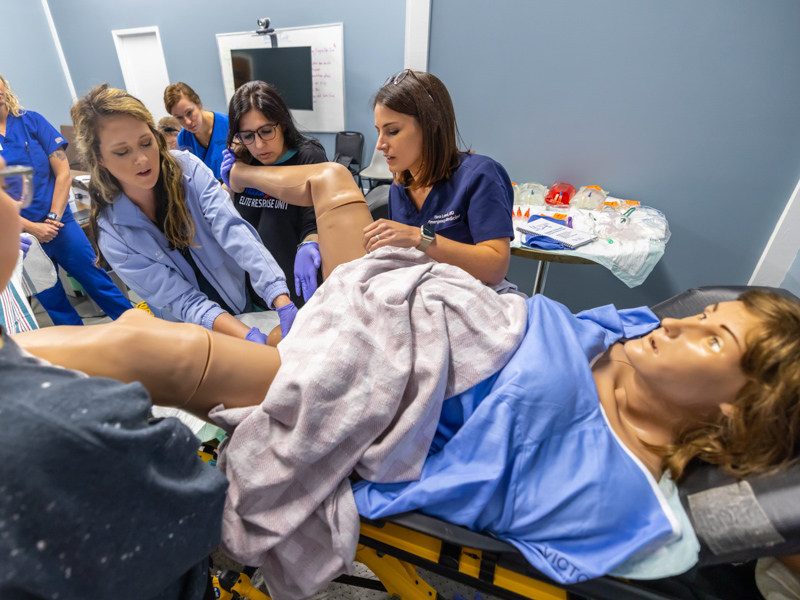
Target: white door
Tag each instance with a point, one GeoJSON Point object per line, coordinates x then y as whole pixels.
{"type": "Point", "coordinates": [143, 66]}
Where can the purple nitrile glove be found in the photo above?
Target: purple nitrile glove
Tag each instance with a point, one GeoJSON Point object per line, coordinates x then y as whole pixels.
{"type": "Point", "coordinates": [255, 335]}
{"type": "Point", "coordinates": [287, 314]}
{"type": "Point", "coordinates": [228, 158]}
{"type": "Point", "coordinates": [25, 245]}
{"type": "Point", "coordinates": [306, 263]}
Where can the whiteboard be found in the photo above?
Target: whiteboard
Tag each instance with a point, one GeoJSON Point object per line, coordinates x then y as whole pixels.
{"type": "Point", "coordinates": [327, 70]}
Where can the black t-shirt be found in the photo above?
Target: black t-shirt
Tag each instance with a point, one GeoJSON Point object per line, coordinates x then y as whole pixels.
{"type": "Point", "coordinates": [97, 500]}
{"type": "Point", "coordinates": [282, 226]}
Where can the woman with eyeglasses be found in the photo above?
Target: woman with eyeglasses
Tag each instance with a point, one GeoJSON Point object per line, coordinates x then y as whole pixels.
{"type": "Point", "coordinates": [170, 128]}
{"type": "Point", "coordinates": [28, 139]}
{"type": "Point", "coordinates": [263, 132]}
{"type": "Point", "coordinates": [203, 132]}
{"type": "Point", "coordinates": [453, 205]}
{"type": "Point", "coordinates": [166, 225]}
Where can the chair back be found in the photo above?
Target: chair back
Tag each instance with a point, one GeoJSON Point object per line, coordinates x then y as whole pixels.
{"type": "Point", "coordinates": [349, 150]}
{"type": "Point", "coordinates": [378, 202]}
{"type": "Point", "coordinates": [377, 171]}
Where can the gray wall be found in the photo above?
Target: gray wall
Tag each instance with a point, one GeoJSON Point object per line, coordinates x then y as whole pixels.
{"type": "Point", "coordinates": [29, 61]}
{"type": "Point", "coordinates": [691, 107]}
{"type": "Point", "coordinates": [688, 106]}
{"type": "Point", "coordinates": [373, 43]}
{"type": "Point", "coordinates": [792, 280]}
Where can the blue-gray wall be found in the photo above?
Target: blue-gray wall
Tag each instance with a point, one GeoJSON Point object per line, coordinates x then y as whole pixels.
{"type": "Point", "coordinates": [792, 280]}
{"type": "Point", "coordinates": [688, 106]}
{"type": "Point", "coordinates": [691, 107]}
{"type": "Point", "coordinates": [373, 43]}
{"type": "Point", "coordinates": [29, 61]}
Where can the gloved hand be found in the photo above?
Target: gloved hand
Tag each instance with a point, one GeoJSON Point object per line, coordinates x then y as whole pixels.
{"type": "Point", "coordinates": [25, 245]}
{"type": "Point", "coordinates": [287, 314]}
{"type": "Point", "coordinates": [228, 158]}
{"type": "Point", "coordinates": [306, 264]}
{"type": "Point", "coordinates": [255, 335]}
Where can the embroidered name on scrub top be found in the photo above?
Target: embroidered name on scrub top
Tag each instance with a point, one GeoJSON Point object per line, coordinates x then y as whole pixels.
{"type": "Point", "coordinates": [448, 217]}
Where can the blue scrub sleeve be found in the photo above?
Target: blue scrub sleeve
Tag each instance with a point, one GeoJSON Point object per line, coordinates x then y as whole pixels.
{"type": "Point", "coordinates": [158, 284]}
{"type": "Point", "coordinates": [491, 202]}
{"type": "Point", "coordinates": [237, 237]}
{"type": "Point", "coordinates": [47, 135]}
{"type": "Point", "coordinates": [184, 140]}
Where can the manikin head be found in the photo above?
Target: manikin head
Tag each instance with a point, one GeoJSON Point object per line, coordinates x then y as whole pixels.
{"type": "Point", "coordinates": [417, 129]}
{"type": "Point", "coordinates": [735, 371]}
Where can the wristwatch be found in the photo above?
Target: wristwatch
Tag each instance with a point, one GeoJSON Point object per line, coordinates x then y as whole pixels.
{"type": "Point", "coordinates": [428, 234]}
{"type": "Point", "coordinates": [53, 216]}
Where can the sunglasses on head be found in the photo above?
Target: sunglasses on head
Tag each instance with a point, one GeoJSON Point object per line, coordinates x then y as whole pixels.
{"type": "Point", "coordinates": [400, 76]}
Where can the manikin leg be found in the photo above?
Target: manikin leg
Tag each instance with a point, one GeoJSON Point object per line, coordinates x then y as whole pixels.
{"type": "Point", "coordinates": [342, 213]}
{"type": "Point", "coordinates": [185, 365]}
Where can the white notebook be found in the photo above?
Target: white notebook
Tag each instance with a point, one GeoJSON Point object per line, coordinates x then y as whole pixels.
{"type": "Point", "coordinates": [561, 233]}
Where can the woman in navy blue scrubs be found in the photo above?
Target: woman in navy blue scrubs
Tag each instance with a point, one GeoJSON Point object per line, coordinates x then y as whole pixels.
{"type": "Point", "coordinates": [455, 206]}
{"type": "Point", "coordinates": [27, 139]}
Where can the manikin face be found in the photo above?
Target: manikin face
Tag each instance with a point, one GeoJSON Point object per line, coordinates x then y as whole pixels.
{"type": "Point", "coordinates": [264, 152]}
{"type": "Point", "coordinates": [695, 362]}
{"type": "Point", "coordinates": [189, 115]}
{"type": "Point", "coordinates": [400, 140]}
{"type": "Point", "coordinates": [9, 233]}
{"type": "Point", "coordinates": [129, 151]}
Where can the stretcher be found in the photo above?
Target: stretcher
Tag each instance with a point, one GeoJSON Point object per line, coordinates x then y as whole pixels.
{"type": "Point", "coordinates": [736, 522]}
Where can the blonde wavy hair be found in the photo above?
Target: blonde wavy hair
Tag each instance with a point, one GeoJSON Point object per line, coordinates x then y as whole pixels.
{"type": "Point", "coordinates": [762, 434]}
{"type": "Point", "coordinates": [172, 214]}
{"type": "Point", "coordinates": [11, 99]}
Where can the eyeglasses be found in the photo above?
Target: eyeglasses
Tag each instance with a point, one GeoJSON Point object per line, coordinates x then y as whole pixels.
{"type": "Point", "coordinates": [266, 133]}
{"type": "Point", "coordinates": [17, 182]}
{"type": "Point", "coordinates": [399, 77]}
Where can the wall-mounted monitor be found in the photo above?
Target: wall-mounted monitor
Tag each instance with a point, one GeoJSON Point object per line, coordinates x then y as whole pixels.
{"type": "Point", "coordinates": [306, 65]}
{"type": "Point", "coordinates": [288, 69]}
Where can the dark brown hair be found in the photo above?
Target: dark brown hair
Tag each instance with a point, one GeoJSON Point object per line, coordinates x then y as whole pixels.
{"type": "Point", "coordinates": [763, 433]}
{"type": "Point", "coordinates": [265, 98]}
{"type": "Point", "coordinates": [425, 98]}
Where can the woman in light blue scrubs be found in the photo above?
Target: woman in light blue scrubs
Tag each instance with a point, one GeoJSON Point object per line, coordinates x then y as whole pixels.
{"type": "Point", "coordinates": [27, 139]}
{"type": "Point", "coordinates": [204, 132]}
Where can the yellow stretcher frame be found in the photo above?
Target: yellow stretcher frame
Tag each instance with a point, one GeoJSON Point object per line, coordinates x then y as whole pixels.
{"type": "Point", "coordinates": [391, 549]}
{"type": "Point", "coordinates": [402, 581]}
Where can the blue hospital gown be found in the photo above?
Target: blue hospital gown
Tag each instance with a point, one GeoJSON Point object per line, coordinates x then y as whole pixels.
{"type": "Point", "coordinates": [529, 456]}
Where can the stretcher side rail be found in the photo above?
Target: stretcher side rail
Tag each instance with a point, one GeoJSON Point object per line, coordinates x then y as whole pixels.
{"type": "Point", "coordinates": [493, 554]}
